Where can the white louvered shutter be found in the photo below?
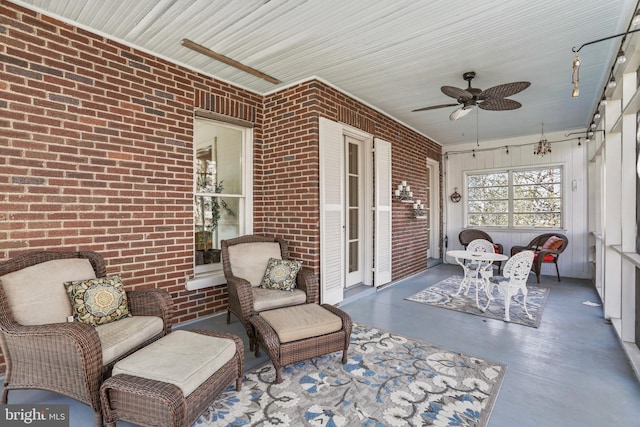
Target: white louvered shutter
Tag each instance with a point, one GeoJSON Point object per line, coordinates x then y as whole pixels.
{"type": "Point", "coordinates": [331, 212]}
{"type": "Point", "coordinates": [382, 259]}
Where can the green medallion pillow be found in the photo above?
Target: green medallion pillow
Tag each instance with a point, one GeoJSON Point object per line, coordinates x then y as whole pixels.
{"type": "Point", "coordinates": [280, 274]}
{"type": "Point", "coordinates": [98, 301]}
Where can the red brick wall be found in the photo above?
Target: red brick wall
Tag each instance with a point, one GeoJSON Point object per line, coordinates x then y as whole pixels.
{"type": "Point", "coordinates": [290, 178]}
{"type": "Point", "coordinates": [96, 153]}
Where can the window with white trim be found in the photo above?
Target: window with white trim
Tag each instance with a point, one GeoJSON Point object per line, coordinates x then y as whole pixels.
{"type": "Point", "coordinates": [515, 198]}
{"type": "Point", "coordinates": [222, 189]}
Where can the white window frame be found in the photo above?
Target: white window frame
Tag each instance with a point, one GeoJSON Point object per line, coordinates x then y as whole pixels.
{"type": "Point", "coordinates": [510, 199]}
{"type": "Point", "coordinates": [214, 276]}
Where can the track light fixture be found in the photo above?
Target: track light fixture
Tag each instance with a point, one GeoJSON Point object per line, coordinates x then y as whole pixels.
{"type": "Point", "coordinates": [621, 59]}
{"type": "Point", "coordinates": [603, 102]}
{"type": "Point", "coordinates": [612, 83]}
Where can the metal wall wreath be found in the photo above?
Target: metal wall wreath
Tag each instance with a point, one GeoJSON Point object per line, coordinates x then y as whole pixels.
{"type": "Point", "coordinates": [455, 197]}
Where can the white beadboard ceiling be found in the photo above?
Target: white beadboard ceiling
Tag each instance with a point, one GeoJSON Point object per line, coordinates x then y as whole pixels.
{"type": "Point", "coordinates": [392, 54]}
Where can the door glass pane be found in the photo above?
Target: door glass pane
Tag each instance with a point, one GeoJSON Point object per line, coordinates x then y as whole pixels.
{"type": "Point", "coordinates": [353, 224]}
{"type": "Point", "coordinates": [353, 191]}
{"type": "Point", "coordinates": [353, 158]}
{"type": "Point", "coordinates": [353, 256]}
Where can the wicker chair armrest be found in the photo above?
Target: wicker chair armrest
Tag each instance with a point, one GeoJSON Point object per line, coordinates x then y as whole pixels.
{"type": "Point", "coordinates": [500, 247]}
{"type": "Point", "coordinates": [308, 282]}
{"type": "Point", "coordinates": [516, 249]}
{"type": "Point", "coordinates": [152, 302]}
{"type": "Point", "coordinates": [544, 252]}
{"type": "Point", "coordinates": [236, 339]}
{"type": "Point", "coordinates": [69, 343]}
{"type": "Point", "coordinates": [240, 289]}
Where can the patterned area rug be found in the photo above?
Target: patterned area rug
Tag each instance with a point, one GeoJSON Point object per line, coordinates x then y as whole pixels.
{"type": "Point", "coordinates": [388, 380]}
{"type": "Point", "coordinates": [440, 295]}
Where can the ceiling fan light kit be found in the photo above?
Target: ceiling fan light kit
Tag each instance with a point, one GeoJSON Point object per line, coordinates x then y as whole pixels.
{"type": "Point", "coordinates": [492, 99]}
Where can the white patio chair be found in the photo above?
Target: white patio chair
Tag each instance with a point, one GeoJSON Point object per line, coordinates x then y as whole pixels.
{"type": "Point", "coordinates": [516, 272]}
{"type": "Point", "coordinates": [477, 272]}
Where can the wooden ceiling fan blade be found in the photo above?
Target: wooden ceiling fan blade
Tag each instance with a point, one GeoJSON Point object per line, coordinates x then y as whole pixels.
{"type": "Point", "coordinates": [504, 90]}
{"type": "Point", "coordinates": [433, 107]}
{"type": "Point", "coordinates": [456, 93]}
{"type": "Point", "coordinates": [499, 104]}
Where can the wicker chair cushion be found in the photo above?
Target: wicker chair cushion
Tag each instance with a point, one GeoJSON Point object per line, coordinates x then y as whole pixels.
{"type": "Point", "coordinates": [183, 358]}
{"type": "Point", "coordinates": [301, 321]}
{"type": "Point", "coordinates": [36, 294]}
{"type": "Point", "coordinates": [98, 301]}
{"type": "Point", "coordinates": [268, 299]}
{"type": "Point", "coordinates": [119, 337]}
{"type": "Point", "coordinates": [281, 274]}
{"type": "Point", "coordinates": [249, 260]}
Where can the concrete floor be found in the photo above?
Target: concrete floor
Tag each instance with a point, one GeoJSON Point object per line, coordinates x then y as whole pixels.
{"type": "Point", "coordinates": [571, 371]}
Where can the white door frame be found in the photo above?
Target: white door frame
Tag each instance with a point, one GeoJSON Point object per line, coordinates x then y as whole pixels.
{"type": "Point", "coordinates": [433, 168]}
{"type": "Point", "coordinates": [366, 188]}
{"type": "Point", "coordinates": [356, 277]}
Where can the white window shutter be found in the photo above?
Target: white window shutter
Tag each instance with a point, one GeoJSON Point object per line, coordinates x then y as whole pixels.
{"type": "Point", "coordinates": [331, 212]}
{"type": "Point", "coordinates": [383, 191]}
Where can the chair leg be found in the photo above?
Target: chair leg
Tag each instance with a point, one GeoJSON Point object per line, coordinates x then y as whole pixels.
{"type": "Point", "coordinates": [5, 394]}
{"type": "Point", "coordinates": [228, 316]}
{"type": "Point", "coordinates": [97, 419]}
{"type": "Point", "coordinates": [557, 271]}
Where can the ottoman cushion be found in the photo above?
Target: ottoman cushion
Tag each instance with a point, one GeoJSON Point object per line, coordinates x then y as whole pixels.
{"type": "Point", "coordinates": [185, 359]}
{"type": "Point", "coordinates": [301, 321]}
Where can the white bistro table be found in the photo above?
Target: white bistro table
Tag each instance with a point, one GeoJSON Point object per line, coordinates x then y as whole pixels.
{"type": "Point", "coordinates": [483, 259]}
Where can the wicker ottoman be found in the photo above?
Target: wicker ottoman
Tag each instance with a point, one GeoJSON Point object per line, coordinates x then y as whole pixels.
{"type": "Point", "coordinates": [172, 381]}
{"type": "Point", "coordinates": [292, 334]}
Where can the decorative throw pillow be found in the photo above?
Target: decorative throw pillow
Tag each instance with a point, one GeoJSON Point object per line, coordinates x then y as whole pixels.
{"type": "Point", "coordinates": [553, 243]}
{"type": "Point", "coordinates": [281, 274]}
{"type": "Point", "coordinates": [98, 301]}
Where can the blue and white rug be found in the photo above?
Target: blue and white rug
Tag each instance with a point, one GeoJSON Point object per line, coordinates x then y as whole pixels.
{"type": "Point", "coordinates": [388, 380]}
{"type": "Point", "coordinates": [440, 295]}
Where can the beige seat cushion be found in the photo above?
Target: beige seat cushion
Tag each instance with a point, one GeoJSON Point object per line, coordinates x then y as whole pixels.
{"type": "Point", "coordinates": [249, 260]}
{"type": "Point", "coordinates": [37, 295]}
{"type": "Point", "coordinates": [302, 321]}
{"type": "Point", "coordinates": [268, 299]}
{"type": "Point", "coordinates": [183, 358]}
{"type": "Point", "coordinates": [120, 336]}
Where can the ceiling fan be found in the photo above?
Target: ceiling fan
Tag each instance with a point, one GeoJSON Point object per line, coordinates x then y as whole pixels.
{"type": "Point", "coordinates": [493, 99]}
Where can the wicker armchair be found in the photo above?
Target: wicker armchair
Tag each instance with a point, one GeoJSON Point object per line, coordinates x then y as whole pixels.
{"type": "Point", "coordinates": [244, 260]}
{"type": "Point", "coordinates": [67, 358]}
{"type": "Point", "coordinates": [544, 252]}
{"type": "Point", "coordinates": [468, 235]}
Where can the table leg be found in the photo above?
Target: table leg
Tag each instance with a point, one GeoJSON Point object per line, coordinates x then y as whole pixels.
{"type": "Point", "coordinates": [465, 281]}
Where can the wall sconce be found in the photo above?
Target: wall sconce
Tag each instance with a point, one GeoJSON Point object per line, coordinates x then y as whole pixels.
{"type": "Point", "coordinates": [418, 210]}
{"type": "Point", "coordinates": [404, 193]}
{"type": "Point", "coordinates": [455, 196]}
